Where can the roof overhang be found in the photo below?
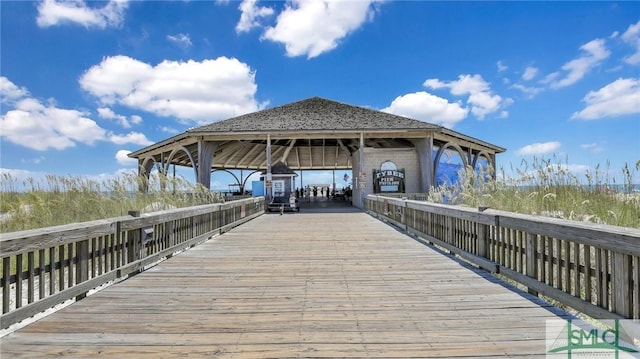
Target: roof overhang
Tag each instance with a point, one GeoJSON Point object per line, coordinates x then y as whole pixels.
{"type": "Point", "coordinates": [241, 144]}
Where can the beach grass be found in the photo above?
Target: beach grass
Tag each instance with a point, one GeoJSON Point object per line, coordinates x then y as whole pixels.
{"type": "Point", "coordinates": [58, 200]}
{"type": "Point", "coordinates": [547, 187]}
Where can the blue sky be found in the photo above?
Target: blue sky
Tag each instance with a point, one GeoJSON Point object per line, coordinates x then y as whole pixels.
{"type": "Point", "coordinates": [84, 82]}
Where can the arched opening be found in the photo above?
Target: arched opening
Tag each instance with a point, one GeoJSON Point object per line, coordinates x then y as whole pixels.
{"type": "Point", "coordinates": [239, 181]}
{"type": "Point", "coordinates": [483, 167]}
{"type": "Point", "coordinates": [188, 154]}
{"type": "Point", "coordinates": [449, 163]}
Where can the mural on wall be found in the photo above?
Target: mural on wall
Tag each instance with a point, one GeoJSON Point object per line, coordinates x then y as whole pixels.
{"type": "Point", "coordinates": [448, 168]}
{"type": "Point", "coordinates": [388, 179]}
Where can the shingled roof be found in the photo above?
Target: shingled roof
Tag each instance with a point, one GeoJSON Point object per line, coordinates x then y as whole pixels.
{"type": "Point", "coordinates": [281, 168]}
{"type": "Point", "coordinates": [315, 114]}
{"type": "Point", "coordinates": [315, 133]}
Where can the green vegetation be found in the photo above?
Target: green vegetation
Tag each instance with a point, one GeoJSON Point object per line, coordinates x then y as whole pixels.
{"type": "Point", "coordinates": [546, 187]}
{"type": "Point", "coordinates": [62, 200]}
{"type": "Point", "coordinates": [543, 187]}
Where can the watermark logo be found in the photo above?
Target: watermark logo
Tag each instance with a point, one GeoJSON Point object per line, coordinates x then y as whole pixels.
{"type": "Point", "coordinates": [579, 339]}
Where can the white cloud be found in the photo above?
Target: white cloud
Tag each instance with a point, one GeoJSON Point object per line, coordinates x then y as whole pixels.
{"type": "Point", "coordinates": [632, 37]}
{"type": "Point", "coordinates": [135, 119]}
{"type": "Point", "coordinates": [592, 147]}
{"type": "Point", "coordinates": [250, 13]}
{"type": "Point", "coordinates": [55, 12]}
{"type": "Point", "coordinates": [529, 73]}
{"type": "Point", "coordinates": [313, 27]}
{"type": "Point", "coordinates": [31, 124]}
{"type": "Point", "coordinates": [619, 98]}
{"type": "Point", "coordinates": [529, 91]}
{"type": "Point", "coordinates": [136, 138]}
{"type": "Point", "coordinates": [107, 113]}
{"type": "Point", "coordinates": [182, 40]}
{"type": "Point", "coordinates": [39, 127]}
{"type": "Point", "coordinates": [192, 91]}
{"type": "Point", "coordinates": [501, 66]}
{"type": "Point", "coordinates": [539, 148]}
{"type": "Point", "coordinates": [594, 53]}
{"type": "Point", "coordinates": [10, 92]}
{"type": "Point", "coordinates": [168, 129]}
{"type": "Point", "coordinates": [429, 108]}
{"type": "Point", "coordinates": [481, 98]}
{"type": "Point", "coordinates": [124, 160]}
{"type": "Point", "coordinates": [34, 160]}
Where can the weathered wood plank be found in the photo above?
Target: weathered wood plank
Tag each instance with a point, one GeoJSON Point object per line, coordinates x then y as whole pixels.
{"type": "Point", "coordinates": [299, 285]}
{"type": "Point", "coordinates": [618, 239]}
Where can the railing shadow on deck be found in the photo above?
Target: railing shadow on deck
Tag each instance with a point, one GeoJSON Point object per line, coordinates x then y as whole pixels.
{"type": "Point", "coordinates": [45, 267]}
{"type": "Point", "coordinates": [592, 268]}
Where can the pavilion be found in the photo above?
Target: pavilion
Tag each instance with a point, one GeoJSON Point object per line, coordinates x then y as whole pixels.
{"type": "Point", "coordinates": [320, 134]}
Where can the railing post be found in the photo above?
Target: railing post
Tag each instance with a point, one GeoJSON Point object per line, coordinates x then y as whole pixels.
{"type": "Point", "coordinates": [133, 241]}
{"type": "Point", "coordinates": [169, 230]}
{"type": "Point", "coordinates": [622, 291]}
{"type": "Point", "coordinates": [82, 264]}
{"type": "Point", "coordinates": [6, 284]}
{"type": "Point", "coordinates": [532, 258]}
{"type": "Point", "coordinates": [404, 213]}
{"type": "Point", "coordinates": [450, 230]}
{"type": "Point", "coordinates": [483, 236]}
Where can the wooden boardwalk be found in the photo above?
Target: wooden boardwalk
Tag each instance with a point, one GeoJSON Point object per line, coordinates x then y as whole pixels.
{"type": "Point", "coordinates": [298, 285]}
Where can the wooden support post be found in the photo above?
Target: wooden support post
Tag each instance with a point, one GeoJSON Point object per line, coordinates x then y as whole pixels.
{"type": "Point", "coordinates": [30, 277]}
{"type": "Point", "coordinates": [82, 264]}
{"type": "Point", "coordinates": [6, 284]}
{"type": "Point", "coordinates": [269, 178]}
{"type": "Point", "coordinates": [424, 149]}
{"type": "Point", "coordinates": [206, 150]}
{"type": "Point", "coordinates": [449, 221]}
{"type": "Point", "coordinates": [483, 240]}
{"type": "Point", "coordinates": [170, 232]}
{"type": "Point", "coordinates": [42, 282]}
{"type": "Point", "coordinates": [133, 241]}
{"type": "Point", "coordinates": [18, 283]}
{"type": "Point", "coordinates": [622, 289]}
{"type": "Point", "coordinates": [532, 258]}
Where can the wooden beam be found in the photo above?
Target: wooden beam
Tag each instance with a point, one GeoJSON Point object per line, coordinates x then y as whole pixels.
{"type": "Point", "coordinates": [285, 155]}
{"type": "Point", "coordinates": [255, 146]}
{"type": "Point", "coordinates": [235, 149]}
{"type": "Point", "coordinates": [324, 163]}
{"type": "Point", "coordinates": [341, 144]}
{"type": "Point", "coordinates": [275, 153]}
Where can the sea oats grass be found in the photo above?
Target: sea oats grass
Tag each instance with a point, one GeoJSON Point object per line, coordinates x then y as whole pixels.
{"type": "Point", "coordinates": [57, 200]}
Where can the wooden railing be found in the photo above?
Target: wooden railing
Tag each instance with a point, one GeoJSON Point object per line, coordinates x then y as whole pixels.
{"type": "Point", "coordinates": [45, 267]}
{"type": "Point", "coordinates": [594, 269]}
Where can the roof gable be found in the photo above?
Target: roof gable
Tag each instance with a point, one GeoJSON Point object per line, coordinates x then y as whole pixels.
{"type": "Point", "coordinates": [315, 114]}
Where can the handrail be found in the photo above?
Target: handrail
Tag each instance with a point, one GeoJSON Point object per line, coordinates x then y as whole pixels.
{"type": "Point", "coordinates": [42, 268]}
{"type": "Point", "coordinates": [592, 268]}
